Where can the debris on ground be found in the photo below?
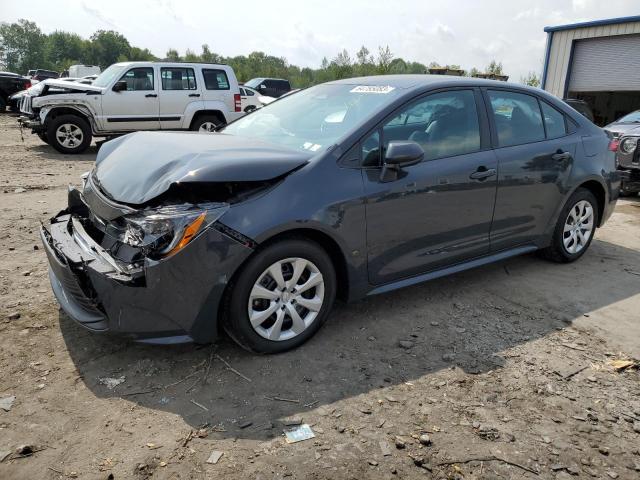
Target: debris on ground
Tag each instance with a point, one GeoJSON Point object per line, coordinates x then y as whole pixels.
{"type": "Point", "coordinates": [7, 402]}
{"type": "Point", "coordinates": [215, 457]}
{"type": "Point", "coordinates": [298, 434]}
{"type": "Point", "coordinates": [621, 365]}
{"type": "Point", "coordinates": [111, 382]}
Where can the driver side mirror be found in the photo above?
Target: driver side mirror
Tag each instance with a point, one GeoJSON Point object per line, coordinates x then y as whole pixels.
{"type": "Point", "coordinates": [120, 86]}
{"type": "Point", "coordinates": [399, 154]}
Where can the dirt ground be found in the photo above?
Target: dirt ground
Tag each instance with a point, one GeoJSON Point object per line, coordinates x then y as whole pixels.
{"type": "Point", "coordinates": [507, 370]}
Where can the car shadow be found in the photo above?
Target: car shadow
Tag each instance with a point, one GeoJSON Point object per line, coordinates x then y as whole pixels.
{"type": "Point", "coordinates": [466, 320]}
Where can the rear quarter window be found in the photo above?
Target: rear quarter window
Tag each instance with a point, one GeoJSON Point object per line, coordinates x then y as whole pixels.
{"type": "Point", "coordinates": [215, 79]}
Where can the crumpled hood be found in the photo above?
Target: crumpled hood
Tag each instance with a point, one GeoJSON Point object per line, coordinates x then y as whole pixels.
{"type": "Point", "coordinates": [80, 87]}
{"type": "Point", "coordinates": [138, 167]}
{"type": "Point", "coordinates": [620, 129]}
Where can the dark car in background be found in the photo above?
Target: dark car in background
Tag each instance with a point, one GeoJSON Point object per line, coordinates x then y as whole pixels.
{"type": "Point", "coordinates": [11, 83]}
{"type": "Point", "coordinates": [581, 107]}
{"type": "Point", "coordinates": [346, 189]}
{"type": "Point", "coordinates": [40, 75]}
{"type": "Point", "coordinates": [270, 87]}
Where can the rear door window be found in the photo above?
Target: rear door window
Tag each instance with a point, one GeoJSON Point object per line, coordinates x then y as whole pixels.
{"type": "Point", "coordinates": [215, 79]}
{"type": "Point", "coordinates": [517, 117]}
{"type": "Point", "coordinates": [178, 78]}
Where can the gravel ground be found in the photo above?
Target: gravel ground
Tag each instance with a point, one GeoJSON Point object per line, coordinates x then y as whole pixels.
{"type": "Point", "coordinates": [506, 371]}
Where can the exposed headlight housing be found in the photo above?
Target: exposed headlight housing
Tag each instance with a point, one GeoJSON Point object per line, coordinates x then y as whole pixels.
{"type": "Point", "coordinates": [628, 145]}
{"type": "Point", "coordinates": [164, 231]}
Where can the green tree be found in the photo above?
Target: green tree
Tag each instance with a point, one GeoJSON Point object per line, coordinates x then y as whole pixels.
{"type": "Point", "coordinates": [107, 46]}
{"type": "Point", "coordinates": [384, 59]}
{"type": "Point", "coordinates": [63, 49]}
{"type": "Point", "coordinates": [172, 55]}
{"type": "Point", "coordinates": [22, 46]}
{"type": "Point", "coordinates": [495, 68]}
{"type": "Point", "coordinates": [531, 79]}
{"type": "Point", "coordinates": [141, 55]}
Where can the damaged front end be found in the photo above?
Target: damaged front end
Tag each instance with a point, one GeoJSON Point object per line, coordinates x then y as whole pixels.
{"type": "Point", "coordinates": [155, 273]}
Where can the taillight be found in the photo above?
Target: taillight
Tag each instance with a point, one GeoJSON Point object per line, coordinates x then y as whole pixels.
{"type": "Point", "coordinates": [238, 102]}
{"type": "Point", "coordinates": [614, 144]}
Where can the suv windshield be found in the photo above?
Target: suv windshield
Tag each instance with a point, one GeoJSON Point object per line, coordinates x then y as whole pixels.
{"type": "Point", "coordinates": [633, 117]}
{"type": "Point", "coordinates": [315, 118]}
{"type": "Point", "coordinates": [106, 77]}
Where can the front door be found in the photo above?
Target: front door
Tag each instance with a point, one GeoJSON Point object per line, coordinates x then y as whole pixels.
{"type": "Point", "coordinates": [535, 151]}
{"type": "Point", "coordinates": [438, 212]}
{"type": "Point", "coordinates": [179, 89]}
{"type": "Point", "coordinates": [135, 108]}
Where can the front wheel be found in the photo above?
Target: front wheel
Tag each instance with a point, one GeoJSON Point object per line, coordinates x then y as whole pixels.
{"type": "Point", "coordinates": [69, 134]}
{"type": "Point", "coordinates": [575, 228]}
{"type": "Point", "coordinates": [281, 297]}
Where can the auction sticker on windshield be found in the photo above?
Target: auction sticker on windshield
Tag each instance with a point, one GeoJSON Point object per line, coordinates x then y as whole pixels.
{"type": "Point", "coordinates": [372, 89]}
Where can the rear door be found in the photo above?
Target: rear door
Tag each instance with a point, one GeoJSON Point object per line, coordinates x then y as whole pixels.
{"type": "Point", "coordinates": [438, 212]}
{"type": "Point", "coordinates": [535, 152]}
{"type": "Point", "coordinates": [179, 89]}
{"type": "Point", "coordinates": [135, 108]}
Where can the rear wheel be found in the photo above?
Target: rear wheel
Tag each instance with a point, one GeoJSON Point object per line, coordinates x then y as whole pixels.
{"type": "Point", "coordinates": [69, 134]}
{"type": "Point", "coordinates": [206, 124]}
{"type": "Point", "coordinates": [281, 297]}
{"type": "Point", "coordinates": [575, 228]}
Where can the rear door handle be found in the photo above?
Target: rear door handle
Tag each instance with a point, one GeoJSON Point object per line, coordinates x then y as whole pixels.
{"type": "Point", "coordinates": [194, 94]}
{"type": "Point", "coordinates": [560, 155]}
{"type": "Point", "coordinates": [482, 173]}
{"type": "Point", "coordinates": [151, 95]}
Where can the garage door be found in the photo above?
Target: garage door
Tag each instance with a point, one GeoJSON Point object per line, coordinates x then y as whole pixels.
{"type": "Point", "coordinates": [606, 64]}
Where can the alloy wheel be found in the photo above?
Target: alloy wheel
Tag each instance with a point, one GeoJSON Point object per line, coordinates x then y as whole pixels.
{"type": "Point", "coordinates": [69, 135]}
{"type": "Point", "coordinates": [207, 127]}
{"type": "Point", "coordinates": [578, 227]}
{"type": "Point", "coordinates": [286, 299]}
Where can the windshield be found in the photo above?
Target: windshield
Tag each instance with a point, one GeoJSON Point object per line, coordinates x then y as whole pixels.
{"type": "Point", "coordinates": [633, 117]}
{"type": "Point", "coordinates": [254, 82]}
{"type": "Point", "coordinates": [106, 77]}
{"type": "Point", "coordinates": [315, 118]}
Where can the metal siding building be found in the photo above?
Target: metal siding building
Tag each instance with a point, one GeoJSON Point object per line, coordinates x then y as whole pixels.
{"type": "Point", "coordinates": [598, 62]}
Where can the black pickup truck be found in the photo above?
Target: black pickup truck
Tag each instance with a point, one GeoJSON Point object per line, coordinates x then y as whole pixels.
{"type": "Point", "coordinates": [11, 83]}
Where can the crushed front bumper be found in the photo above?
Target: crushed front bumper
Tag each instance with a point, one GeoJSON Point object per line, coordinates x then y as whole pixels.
{"type": "Point", "coordinates": [167, 301]}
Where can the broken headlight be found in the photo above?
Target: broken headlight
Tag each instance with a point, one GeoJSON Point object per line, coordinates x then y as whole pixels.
{"type": "Point", "coordinates": [164, 231]}
{"type": "Point", "coordinates": [628, 145]}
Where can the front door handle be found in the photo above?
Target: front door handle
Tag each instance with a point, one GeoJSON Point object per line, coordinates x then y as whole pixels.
{"type": "Point", "coordinates": [151, 95]}
{"type": "Point", "coordinates": [482, 173]}
{"type": "Point", "coordinates": [194, 94]}
{"type": "Point", "coordinates": [560, 156]}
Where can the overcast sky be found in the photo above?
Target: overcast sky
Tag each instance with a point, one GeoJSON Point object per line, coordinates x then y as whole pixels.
{"type": "Point", "coordinates": [466, 32]}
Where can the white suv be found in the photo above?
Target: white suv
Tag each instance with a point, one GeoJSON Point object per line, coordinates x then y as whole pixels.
{"type": "Point", "coordinates": [133, 96]}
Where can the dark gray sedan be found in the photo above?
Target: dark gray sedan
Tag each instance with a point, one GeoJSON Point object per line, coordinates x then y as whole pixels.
{"type": "Point", "coordinates": [346, 189]}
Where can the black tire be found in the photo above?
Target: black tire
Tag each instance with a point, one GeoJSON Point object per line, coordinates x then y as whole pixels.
{"type": "Point", "coordinates": [77, 123]}
{"type": "Point", "coordinates": [3, 105]}
{"type": "Point", "coordinates": [557, 251]}
{"type": "Point", "coordinates": [43, 136]}
{"type": "Point", "coordinates": [203, 119]}
{"type": "Point", "coordinates": [236, 319]}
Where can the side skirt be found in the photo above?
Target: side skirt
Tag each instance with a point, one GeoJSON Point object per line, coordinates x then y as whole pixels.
{"type": "Point", "coordinates": [460, 267]}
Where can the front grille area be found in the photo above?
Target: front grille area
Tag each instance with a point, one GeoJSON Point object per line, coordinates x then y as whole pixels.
{"type": "Point", "coordinates": [25, 105]}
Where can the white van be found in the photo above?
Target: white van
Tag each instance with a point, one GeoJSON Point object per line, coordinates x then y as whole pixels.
{"type": "Point", "coordinates": [79, 71]}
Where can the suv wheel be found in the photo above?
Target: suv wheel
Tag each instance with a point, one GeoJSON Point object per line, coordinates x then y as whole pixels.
{"type": "Point", "coordinates": [575, 228]}
{"type": "Point", "coordinates": [206, 124]}
{"type": "Point", "coordinates": [3, 104]}
{"type": "Point", "coordinates": [69, 134]}
{"type": "Point", "coordinates": [43, 136]}
{"type": "Point", "coordinates": [281, 297]}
